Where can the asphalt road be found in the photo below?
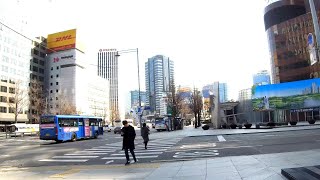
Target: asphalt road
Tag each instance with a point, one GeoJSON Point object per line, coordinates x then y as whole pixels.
{"type": "Point", "coordinates": [29, 151]}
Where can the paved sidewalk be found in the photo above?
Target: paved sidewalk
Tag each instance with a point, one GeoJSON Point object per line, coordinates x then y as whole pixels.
{"type": "Point", "coordinates": [191, 131]}
{"type": "Point", "coordinates": [266, 167]}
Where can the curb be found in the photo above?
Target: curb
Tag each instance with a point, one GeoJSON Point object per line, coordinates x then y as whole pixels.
{"type": "Point", "coordinates": [254, 132]}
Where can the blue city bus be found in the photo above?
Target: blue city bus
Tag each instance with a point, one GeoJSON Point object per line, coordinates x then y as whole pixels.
{"type": "Point", "coordinates": [69, 127]}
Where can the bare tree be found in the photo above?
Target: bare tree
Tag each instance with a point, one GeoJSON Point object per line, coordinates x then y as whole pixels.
{"type": "Point", "coordinates": [105, 110]}
{"type": "Point", "coordinates": [18, 100]}
{"type": "Point", "coordinates": [114, 115]}
{"type": "Point", "coordinates": [175, 102]}
{"type": "Point", "coordinates": [196, 105]}
{"type": "Point", "coordinates": [64, 106]}
{"type": "Point", "coordinates": [37, 100]}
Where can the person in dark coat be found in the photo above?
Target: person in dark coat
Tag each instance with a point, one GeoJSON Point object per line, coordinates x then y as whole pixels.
{"type": "Point", "coordinates": [145, 134]}
{"type": "Point", "coordinates": [129, 134]}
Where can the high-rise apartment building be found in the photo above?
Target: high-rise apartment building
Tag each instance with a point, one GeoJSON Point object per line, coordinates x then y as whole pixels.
{"type": "Point", "coordinates": [108, 69]}
{"type": "Point", "coordinates": [261, 78]}
{"type": "Point", "coordinates": [159, 73]}
{"type": "Point", "coordinates": [289, 26]}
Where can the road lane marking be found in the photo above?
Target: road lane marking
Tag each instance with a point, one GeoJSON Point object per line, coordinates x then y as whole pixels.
{"type": "Point", "coordinates": [221, 138]}
{"type": "Point", "coordinates": [64, 160]}
{"type": "Point", "coordinates": [146, 153]}
{"type": "Point", "coordinates": [138, 157]}
{"type": "Point", "coordinates": [79, 154]}
{"type": "Point", "coordinates": [70, 157]}
{"type": "Point", "coordinates": [108, 162]}
{"type": "Point", "coordinates": [150, 150]}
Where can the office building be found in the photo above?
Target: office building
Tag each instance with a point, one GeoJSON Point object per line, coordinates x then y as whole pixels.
{"type": "Point", "coordinates": [223, 92]}
{"type": "Point", "coordinates": [72, 88]}
{"type": "Point", "coordinates": [135, 98]}
{"type": "Point", "coordinates": [289, 26]}
{"type": "Point", "coordinates": [108, 69]}
{"type": "Point", "coordinates": [14, 67]}
{"type": "Point", "coordinates": [37, 105]}
{"type": "Point", "coordinates": [261, 78]}
{"type": "Point", "coordinates": [159, 73]}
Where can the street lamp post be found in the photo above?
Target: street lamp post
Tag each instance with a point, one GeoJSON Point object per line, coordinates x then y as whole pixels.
{"type": "Point", "coordinates": [138, 67]}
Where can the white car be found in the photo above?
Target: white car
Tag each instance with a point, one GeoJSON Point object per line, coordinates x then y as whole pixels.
{"type": "Point", "coordinates": [107, 128]}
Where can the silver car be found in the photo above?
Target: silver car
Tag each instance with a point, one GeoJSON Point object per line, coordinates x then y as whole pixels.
{"type": "Point", "coordinates": [117, 130]}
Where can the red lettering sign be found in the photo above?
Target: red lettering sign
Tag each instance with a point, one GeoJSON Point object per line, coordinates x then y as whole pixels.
{"type": "Point", "coordinates": [63, 38]}
{"type": "Point", "coordinates": [56, 59]}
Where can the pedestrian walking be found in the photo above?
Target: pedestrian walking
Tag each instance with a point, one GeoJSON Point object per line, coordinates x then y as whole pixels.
{"type": "Point", "coordinates": [129, 134]}
{"type": "Point", "coordinates": [145, 134]}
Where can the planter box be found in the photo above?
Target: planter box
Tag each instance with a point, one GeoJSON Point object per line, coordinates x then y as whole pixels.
{"type": "Point", "coordinates": [312, 121]}
{"type": "Point", "coordinates": [293, 123]}
{"type": "Point", "coordinates": [233, 126]}
{"type": "Point", "coordinates": [248, 126]}
{"type": "Point", "coordinates": [205, 127]}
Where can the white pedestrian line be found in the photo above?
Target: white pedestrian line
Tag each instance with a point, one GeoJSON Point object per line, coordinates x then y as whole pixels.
{"type": "Point", "coordinates": [76, 157]}
{"type": "Point", "coordinates": [91, 152]}
{"type": "Point", "coordinates": [99, 150]}
{"type": "Point", "coordinates": [221, 138]}
{"type": "Point", "coordinates": [64, 160]}
{"type": "Point", "coordinates": [150, 150]}
{"type": "Point", "coordinates": [108, 162]}
{"type": "Point", "coordinates": [138, 157]}
{"type": "Point", "coordinates": [195, 156]}
{"type": "Point", "coordinates": [79, 154]}
{"type": "Point", "coordinates": [145, 153]}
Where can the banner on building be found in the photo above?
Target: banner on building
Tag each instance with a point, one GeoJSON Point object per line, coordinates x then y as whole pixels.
{"type": "Point", "coordinates": [61, 41]}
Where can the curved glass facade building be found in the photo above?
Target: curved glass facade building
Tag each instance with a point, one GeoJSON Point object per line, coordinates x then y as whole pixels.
{"type": "Point", "coordinates": [288, 23]}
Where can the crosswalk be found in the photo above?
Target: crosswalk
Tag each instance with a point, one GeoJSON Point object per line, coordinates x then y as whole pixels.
{"type": "Point", "coordinates": [112, 153]}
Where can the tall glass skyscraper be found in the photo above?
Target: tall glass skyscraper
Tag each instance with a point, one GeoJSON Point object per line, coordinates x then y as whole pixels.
{"type": "Point", "coordinates": [159, 79]}
{"type": "Point", "coordinates": [108, 69]}
{"type": "Point", "coordinates": [261, 78]}
{"type": "Point", "coordinates": [135, 98]}
{"type": "Point", "coordinates": [223, 92]}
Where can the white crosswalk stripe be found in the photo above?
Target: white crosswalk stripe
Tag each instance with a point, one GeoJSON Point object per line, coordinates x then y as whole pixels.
{"type": "Point", "coordinates": [113, 152]}
{"type": "Point", "coordinates": [154, 149]}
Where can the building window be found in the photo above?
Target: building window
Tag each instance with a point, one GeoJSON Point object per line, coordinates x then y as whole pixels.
{"type": "Point", "coordinates": [41, 70]}
{"type": "Point", "coordinates": [3, 109]}
{"type": "Point", "coordinates": [36, 52]}
{"type": "Point", "coordinates": [34, 76]}
{"type": "Point", "coordinates": [11, 90]}
{"type": "Point", "coordinates": [3, 99]}
{"type": "Point", "coordinates": [57, 75]}
{"type": "Point", "coordinates": [56, 98]}
{"type": "Point", "coordinates": [50, 84]}
{"type": "Point", "coordinates": [35, 68]}
{"type": "Point", "coordinates": [57, 106]}
{"type": "Point", "coordinates": [51, 76]}
{"type": "Point", "coordinates": [41, 63]}
{"type": "Point", "coordinates": [11, 110]}
{"type": "Point", "coordinates": [57, 67]}
{"type": "Point", "coordinates": [11, 100]}
{"type": "Point", "coordinates": [35, 60]}
{"type": "Point", "coordinates": [50, 91]}
{"type": "Point", "coordinates": [43, 55]}
{"type": "Point", "coordinates": [51, 68]}
{"type": "Point", "coordinates": [41, 79]}
{"type": "Point", "coordinates": [4, 89]}
{"type": "Point", "coordinates": [51, 99]}
{"type": "Point", "coordinates": [57, 90]}
{"type": "Point", "coordinates": [57, 83]}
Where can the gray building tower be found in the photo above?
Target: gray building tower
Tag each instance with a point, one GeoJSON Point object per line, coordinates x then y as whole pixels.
{"type": "Point", "coordinates": [159, 79]}
{"type": "Point", "coordinates": [108, 69]}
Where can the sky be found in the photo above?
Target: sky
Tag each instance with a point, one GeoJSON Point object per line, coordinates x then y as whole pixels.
{"type": "Point", "coordinates": [207, 40]}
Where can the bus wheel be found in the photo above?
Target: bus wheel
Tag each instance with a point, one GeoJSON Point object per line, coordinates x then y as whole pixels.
{"type": "Point", "coordinates": [73, 137]}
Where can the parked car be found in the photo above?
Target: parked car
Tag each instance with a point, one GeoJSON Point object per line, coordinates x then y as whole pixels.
{"type": "Point", "coordinates": [117, 130]}
{"type": "Point", "coordinates": [107, 128]}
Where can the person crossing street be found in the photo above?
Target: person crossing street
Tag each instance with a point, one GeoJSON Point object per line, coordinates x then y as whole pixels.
{"type": "Point", "coordinates": [129, 134]}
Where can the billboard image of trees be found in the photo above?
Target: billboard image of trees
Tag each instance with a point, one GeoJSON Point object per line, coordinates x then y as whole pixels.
{"type": "Point", "coordinates": [291, 95]}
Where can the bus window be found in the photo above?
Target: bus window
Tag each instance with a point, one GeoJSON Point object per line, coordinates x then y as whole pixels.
{"type": "Point", "coordinates": [47, 120]}
{"type": "Point", "coordinates": [68, 122]}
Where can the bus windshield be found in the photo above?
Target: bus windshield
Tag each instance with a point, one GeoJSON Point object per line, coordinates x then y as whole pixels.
{"type": "Point", "coordinates": [47, 120]}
